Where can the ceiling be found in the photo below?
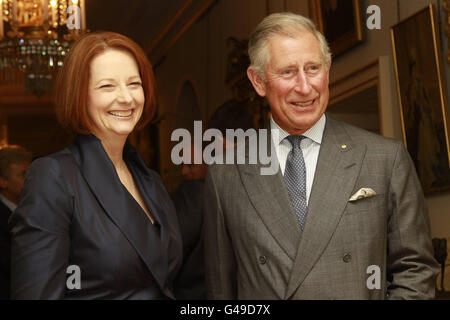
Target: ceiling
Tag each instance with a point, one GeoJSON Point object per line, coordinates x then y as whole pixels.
{"type": "Point", "coordinates": [141, 20]}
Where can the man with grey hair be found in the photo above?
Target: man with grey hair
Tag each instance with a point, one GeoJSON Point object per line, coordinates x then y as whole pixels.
{"type": "Point", "coordinates": [343, 218]}
{"type": "Point", "coordinates": [14, 162]}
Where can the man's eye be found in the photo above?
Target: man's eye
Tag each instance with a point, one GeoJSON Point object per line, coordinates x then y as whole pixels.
{"type": "Point", "coordinates": [287, 72]}
{"type": "Point", "coordinates": [313, 68]}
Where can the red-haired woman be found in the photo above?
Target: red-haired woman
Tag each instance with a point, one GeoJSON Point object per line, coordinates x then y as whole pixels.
{"type": "Point", "coordinates": [94, 222]}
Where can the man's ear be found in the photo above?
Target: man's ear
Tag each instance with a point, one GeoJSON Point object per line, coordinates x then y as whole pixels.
{"type": "Point", "coordinates": [257, 81]}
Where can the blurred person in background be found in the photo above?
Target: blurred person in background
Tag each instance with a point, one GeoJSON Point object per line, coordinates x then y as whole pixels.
{"type": "Point", "coordinates": [14, 162]}
{"type": "Point", "coordinates": [188, 199]}
{"type": "Point", "coordinates": [232, 114]}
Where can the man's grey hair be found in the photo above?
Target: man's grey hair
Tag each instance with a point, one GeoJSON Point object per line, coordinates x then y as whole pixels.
{"type": "Point", "coordinates": [284, 23]}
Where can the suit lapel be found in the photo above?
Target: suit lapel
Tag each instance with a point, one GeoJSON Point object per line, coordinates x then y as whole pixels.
{"type": "Point", "coordinates": [269, 196]}
{"type": "Point", "coordinates": [103, 181]}
{"type": "Point", "coordinates": [337, 169]}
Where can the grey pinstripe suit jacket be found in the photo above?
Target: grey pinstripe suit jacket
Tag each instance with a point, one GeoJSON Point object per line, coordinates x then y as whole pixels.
{"type": "Point", "coordinates": [254, 248]}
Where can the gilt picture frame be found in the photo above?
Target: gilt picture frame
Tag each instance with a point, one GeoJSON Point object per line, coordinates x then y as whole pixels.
{"type": "Point", "coordinates": [422, 97]}
{"type": "Point", "coordinates": [340, 21]}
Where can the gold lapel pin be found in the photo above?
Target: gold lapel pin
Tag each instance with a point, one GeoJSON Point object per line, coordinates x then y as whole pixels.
{"type": "Point", "coordinates": [344, 146]}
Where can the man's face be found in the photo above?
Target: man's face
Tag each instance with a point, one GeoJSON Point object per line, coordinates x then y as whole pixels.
{"type": "Point", "coordinates": [296, 84]}
{"type": "Point", "coordinates": [12, 184]}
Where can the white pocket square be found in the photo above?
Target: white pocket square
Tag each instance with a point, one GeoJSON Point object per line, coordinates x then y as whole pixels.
{"type": "Point", "coordinates": [363, 193]}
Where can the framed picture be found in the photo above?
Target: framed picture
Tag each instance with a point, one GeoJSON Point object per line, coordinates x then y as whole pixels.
{"type": "Point", "coordinates": [340, 22]}
{"type": "Point", "coordinates": [423, 104]}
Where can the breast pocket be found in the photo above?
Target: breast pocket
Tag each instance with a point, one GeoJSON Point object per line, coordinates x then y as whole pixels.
{"type": "Point", "coordinates": [365, 222]}
{"type": "Point", "coordinates": [366, 205]}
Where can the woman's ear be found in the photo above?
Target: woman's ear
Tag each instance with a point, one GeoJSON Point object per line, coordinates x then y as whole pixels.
{"type": "Point", "coordinates": [257, 81]}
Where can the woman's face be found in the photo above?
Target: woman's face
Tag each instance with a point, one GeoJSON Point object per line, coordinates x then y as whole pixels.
{"type": "Point", "coordinates": [115, 94]}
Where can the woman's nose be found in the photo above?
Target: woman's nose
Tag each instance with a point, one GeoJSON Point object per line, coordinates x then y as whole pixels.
{"type": "Point", "coordinates": [124, 95]}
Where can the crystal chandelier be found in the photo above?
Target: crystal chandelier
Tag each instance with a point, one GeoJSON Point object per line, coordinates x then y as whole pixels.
{"type": "Point", "coordinates": [35, 35]}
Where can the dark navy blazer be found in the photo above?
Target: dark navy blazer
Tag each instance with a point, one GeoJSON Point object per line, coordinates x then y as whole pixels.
{"type": "Point", "coordinates": [75, 211]}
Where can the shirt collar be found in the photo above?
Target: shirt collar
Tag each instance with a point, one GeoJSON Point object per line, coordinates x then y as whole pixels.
{"type": "Point", "coordinates": [315, 133]}
{"type": "Point", "coordinates": [11, 205]}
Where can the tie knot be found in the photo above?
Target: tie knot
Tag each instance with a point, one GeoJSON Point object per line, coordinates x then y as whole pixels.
{"type": "Point", "coordinates": [295, 140]}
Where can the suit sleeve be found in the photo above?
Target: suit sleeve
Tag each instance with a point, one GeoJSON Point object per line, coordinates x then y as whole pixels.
{"type": "Point", "coordinates": [220, 265]}
{"type": "Point", "coordinates": [411, 266]}
{"type": "Point", "coordinates": [40, 234]}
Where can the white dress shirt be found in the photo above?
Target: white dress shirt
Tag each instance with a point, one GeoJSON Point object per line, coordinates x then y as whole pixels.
{"type": "Point", "coordinates": [310, 148]}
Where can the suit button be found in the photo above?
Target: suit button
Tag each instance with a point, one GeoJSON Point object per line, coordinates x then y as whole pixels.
{"type": "Point", "coordinates": [347, 257]}
{"type": "Point", "coordinates": [262, 259]}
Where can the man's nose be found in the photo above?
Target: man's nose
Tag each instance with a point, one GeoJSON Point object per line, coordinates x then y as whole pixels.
{"type": "Point", "coordinates": [302, 84]}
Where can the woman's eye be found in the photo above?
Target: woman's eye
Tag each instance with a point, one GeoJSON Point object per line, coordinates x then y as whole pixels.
{"type": "Point", "coordinates": [106, 86]}
{"type": "Point", "coordinates": [136, 83]}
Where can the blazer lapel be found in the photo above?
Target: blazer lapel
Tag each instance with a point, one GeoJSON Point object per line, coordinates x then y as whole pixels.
{"type": "Point", "coordinates": [338, 167]}
{"type": "Point", "coordinates": [269, 196]}
{"type": "Point", "coordinates": [159, 263]}
{"type": "Point", "coordinates": [102, 179]}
